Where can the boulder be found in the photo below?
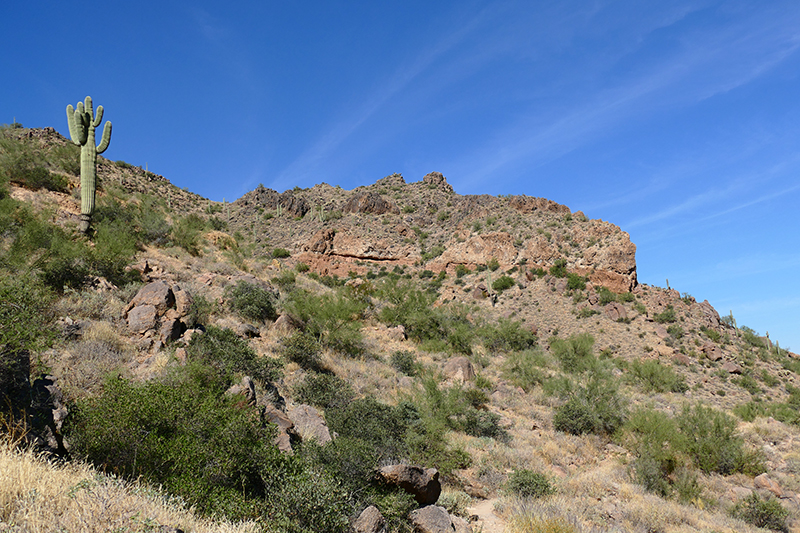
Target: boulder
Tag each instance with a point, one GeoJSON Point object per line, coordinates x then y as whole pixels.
{"type": "Point", "coordinates": [763, 481]}
{"type": "Point", "coordinates": [615, 311]}
{"type": "Point", "coordinates": [422, 483]}
{"type": "Point", "coordinates": [397, 333]}
{"type": "Point", "coordinates": [370, 521]}
{"type": "Point", "coordinates": [712, 351]}
{"type": "Point", "coordinates": [731, 368]}
{"type": "Point", "coordinates": [309, 424]}
{"type": "Point", "coordinates": [142, 318]}
{"type": "Point", "coordinates": [459, 369]}
{"type": "Point", "coordinates": [158, 294]}
{"type": "Point", "coordinates": [431, 519]}
{"type": "Point", "coordinates": [283, 440]}
{"type": "Point", "coordinates": [171, 329]}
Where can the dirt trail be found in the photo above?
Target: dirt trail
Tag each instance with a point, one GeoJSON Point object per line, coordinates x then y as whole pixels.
{"type": "Point", "coordinates": [487, 522]}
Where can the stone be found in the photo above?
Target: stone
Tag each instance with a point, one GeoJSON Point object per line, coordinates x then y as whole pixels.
{"type": "Point", "coordinates": [183, 301]}
{"type": "Point", "coordinates": [171, 329]}
{"type": "Point", "coordinates": [247, 331]}
{"type": "Point", "coordinates": [712, 351]}
{"type": "Point", "coordinates": [287, 324]}
{"type": "Point", "coordinates": [309, 424]}
{"type": "Point", "coordinates": [158, 294]}
{"type": "Point", "coordinates": [615, 311]}
{"type": "Point", "coordinates": [763, 481]}
{"type": "Point", "coordinates": [459, 369]}
{"type": "Point", "coordinates": [731, 368]}
{"type": "Point", "coordinates": [422, 483]}
{"type": "Point", "coordinates": [397, 333]}
{"type": "Point", "coordinates": [283, 440]}
{"type": "Point", "coordinates": [142, 317]}
{"type": "Point", "coordinates": [370, 521]}
{"type": "Point", "coordinates": [460, 525]}
{"type": "Point", "coordinates": [431, 519]}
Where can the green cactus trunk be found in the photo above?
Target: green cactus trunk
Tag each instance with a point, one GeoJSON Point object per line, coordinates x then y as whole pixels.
{"type": "Point", "coordinates": [82, 123]}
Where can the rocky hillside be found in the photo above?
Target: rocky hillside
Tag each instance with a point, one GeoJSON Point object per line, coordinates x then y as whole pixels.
{"type": "Point", "coordinates": [396, 357]}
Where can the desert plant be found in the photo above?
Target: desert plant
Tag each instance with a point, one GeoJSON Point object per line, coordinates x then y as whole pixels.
{"type": "Point", "coordinates": [506, 336]}
{"type": "Point", "coordinates": [405, 362]}
{"type": "Point", "coordinates": [559, 268]}
{"type": "Point", "coordinates": [575, 353]}
{"type": "Point", "coordinates": [524, 369]}
{"type": "Point", "coordinates": [251, 302]}
{"type": "Point", "coordinates": [325, 390]}
{"type": "Point", "coordinates": [657, 377]}
{"type": "Point", "coordinates": [769, 513]}
{"type": "Point", "coordinates": [666, 316]}
{"type": "Point", "coordinates": [503, 283]}
{"type": "Point", "coordinates": [82, 123]}
{"type": "Point", "coordinates": [229, 355]}
{"type": "Point", "coordinates": [529, 484]}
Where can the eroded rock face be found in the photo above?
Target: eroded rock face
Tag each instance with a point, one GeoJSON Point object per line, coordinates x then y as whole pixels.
{"type": "Point", "coordinates": [529, 204]}
{"type": "Point", "coordinates": [159, 307]}
{"type": "Point", "coordinates": [478, 250]}
{"type": "Point", "coordinates": [370, 202]}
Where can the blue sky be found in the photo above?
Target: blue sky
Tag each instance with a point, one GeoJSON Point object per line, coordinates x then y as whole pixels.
{"type": "Point", "coordinates": [677, 121]}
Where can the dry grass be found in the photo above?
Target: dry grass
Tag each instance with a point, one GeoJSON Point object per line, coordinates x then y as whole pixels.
{"type": "Point", "coordinates": [38, 496]}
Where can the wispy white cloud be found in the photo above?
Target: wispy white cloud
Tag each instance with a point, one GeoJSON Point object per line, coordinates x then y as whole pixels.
{"type": "Point", "coordinates": [708, 63]}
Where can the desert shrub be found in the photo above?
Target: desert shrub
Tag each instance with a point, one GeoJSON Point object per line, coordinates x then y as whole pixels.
{"type": "Point", "coordinates": [186, 233]}
{"type": "Point", "coordinates": [251, 302]}
{"type": "Point", "coordinates": [748, 383]}
{"type": "Point", "coordinates": [675, 331]}
{"type": "Point", "coordinates": [27, 169]}
{"type": "Point", "coordinates": [333, 319]}
{"type": "Point", "coordinates": [230, 355]}
{"type": "Point", "coordinates": [605, 296]}
{"type": "Point", "coordinates": [666, 316]}
{"type": "Point", "coordinates": [506, 336]}
{"type": "Point", "coordinates": [769, 513]}
{"type": "Point", "coordinates": [559, 268]}
{"type": "Point", "coordinates": [456, 502]}
{"type": "Point", "coordinates": [303, 349]}
{"type": "Point", "coordinates": [657, 377]}
{"type": "Point", "coordinates": [325, 390]}
{"type": "Point", "coordinates": [281, 253]}
{"type": "Point", "coordinates": [493, 264]}
{"type": "Point", "coordinates": [184, 434]}
{"type": "Point", "coordinates": [576, 282]}
{"type": "Point", "coordinates": [575, 353]}
{"type": "Point", "coordinates": [751, 337]}
{"type": "Point", "coordinates": [503, 283]}
{"type": "Point", "coordinates": [285, 280]}
{"type": "Point", "coordinates": [115, 247]}
{"type": "Point", "coordinates": [380, 425]}
{"type": "Point", "coordinates": [524, 369]}
{"type": "Point", "coordinates": [302, 267]}
{"type": "Point", "coordinates": [594, 406]}
{"type": "Point", "coordinates": [405, 362]}
{"type": "Point", "coordinates": [529, 484]}
{"type": "Point", "coordinates": [25, 314]}
{"type": "Point", "coordinates": [461, 271]}
{"type": "Point", "coordinates": [713, 444]}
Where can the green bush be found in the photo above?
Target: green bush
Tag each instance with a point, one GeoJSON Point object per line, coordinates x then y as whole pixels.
{"type": "Point", "coordinates": [25, 314]}
{"type": "Point", "coordinates": [594, 406]}
{"type": "Point", "coordinates": [769, 514]}
{"type": "Point", "coordinates": [529, 484]}
{"type": "Point", "coordinates": [493, 264]}
{"type": "Point", "coordinates": [576, 282]}
{"type": "Point", "coordinates": [303, 349]}
{"type": "Point", "coordinates": [559, 268]}
{"type": "Point", "coordinates": [229, 355]}
{"type": "Point", "coordinates": [503, 283]}
{"type": "Point", "coordinates": [325, 390]}
{"type": "Point", "coordinates": [382, 426]}
{"type": "Point", "coordinates": [575, 353]}
{"type": "Point", "coordinates": [251, 302]}
{"type": "Point", "coordinates": [405, 362]}
{"type": "Point", "coordinates": [524, 369]}
{"type": "Point", "coordinates": [281, 253]}
{"type": "Point", "coordinates": [666, 316]}
{"type": "Point", "coordinates": [657, 377]}
{"type": "Point", "coordinates": [333, 319]}
{"type": "Point", "coordinates": [605, 295]}
{"type": "Point", "coordinates": [713, 443]}
{"type": "Point", "coordinates": [506, 336]}
{"type": "Point", "coordinates": [186, 233]}
{"type": "Point", "coordinates": [214, 452]}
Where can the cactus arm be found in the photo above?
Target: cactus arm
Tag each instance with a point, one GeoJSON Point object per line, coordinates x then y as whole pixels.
{"type": "Point", "coordinates": [98, 116]}
{"type": "Point", "coordinates": [73, 126]}
{"type": "Point", "coordinates": [106, 135]}
{"type": "Point", "coordinates": [87, 104]}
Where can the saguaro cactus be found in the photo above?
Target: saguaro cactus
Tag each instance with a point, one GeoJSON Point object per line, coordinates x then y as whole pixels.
{"type": "Point", "coordinates": [82, 123]}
